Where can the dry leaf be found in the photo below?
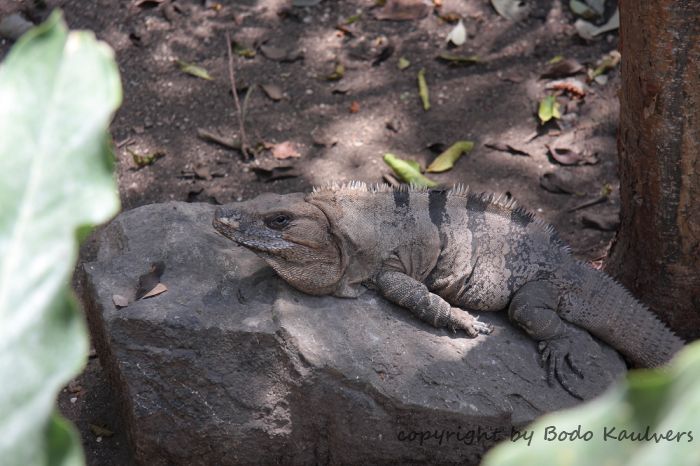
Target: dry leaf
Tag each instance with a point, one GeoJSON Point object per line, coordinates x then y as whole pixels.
{"type": "Point", "coordinates": [285, 150]}
{"type": "Point", "coordinates": [354, 106]}
{"type": "Point", "coordinates": [202, 173]}
{"type": "Point", "coordinates": [514, 10]}
{"type": "Point", "coordinates": [402, 10]}
{"type": "Point", "coordinates": [150, 279]}
{"type": "Point", "coordinates": [273, 91]}
{"type": "Point", "coordinates": [562, 69]}
{"type": "Point", "coordinates": [566, 156]}
{"type": "Point", "coordinates": [158, 289]}
{"type": "Point", "coordinates": [589, 30]}
{"type": "Point", "coordinates": [458, 35]}
{"type": "Point", "coordinates": [120, 301]}
{"type": "Point", "coordinates": [571, 85]}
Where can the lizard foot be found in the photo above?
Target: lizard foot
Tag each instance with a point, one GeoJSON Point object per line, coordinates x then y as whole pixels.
{"type": "Point", "coordinates": [467, 322]}
{"type": "Point", "coordinates": [554, 354]}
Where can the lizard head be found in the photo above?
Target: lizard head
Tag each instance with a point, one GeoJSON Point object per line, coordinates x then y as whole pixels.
{"type": "Point", "coordinates": [292, 235]}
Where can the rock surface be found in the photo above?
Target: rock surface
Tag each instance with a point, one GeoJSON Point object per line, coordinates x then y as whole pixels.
{"type": "Point", "coordinates": [231, 365]}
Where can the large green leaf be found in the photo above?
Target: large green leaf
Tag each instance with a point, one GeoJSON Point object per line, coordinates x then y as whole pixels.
{"type": "Point", "coordinates": [650, 419]}
{"type": "Point", "coordinates": [58, 92]}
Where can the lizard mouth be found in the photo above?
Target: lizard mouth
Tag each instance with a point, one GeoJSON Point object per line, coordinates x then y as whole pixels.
{"type": "Point", "coordinates": [256, 239]}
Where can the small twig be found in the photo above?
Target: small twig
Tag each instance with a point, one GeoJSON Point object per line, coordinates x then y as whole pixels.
{"type": "Point", "coordinates": [232, 78]}
{"type": "Point", "coordinates": [597, 200]}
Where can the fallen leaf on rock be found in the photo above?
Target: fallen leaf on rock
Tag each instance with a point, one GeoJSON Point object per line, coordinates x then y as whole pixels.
{"type": "Point", "coordinates": [100, 431]}
{"type": "Point", "coordinates": [337, 74]}
{"type": "Point", "coordinates": [458, 35]}
{"type": "Point", "coordinates": [158, 289]}
{"type": "Point", "coordinates": [589, 30]}
{"type": "Point", "coordinates": [267, 175]}
{"type": "Point", "coordinates": [143, 160]}
{"type": "Point", "coordinates": [502, 147]}
{"type": "Point", "coordinates": [601, 222]}
{"type": "Point", "coordinates": [120, 301]}
{"type": "Point", "coordinates": [193, 70]}
{"type": "Point", "coordinates": [273, 91]}
{"type": "Point", "coordinates": [285, 150]}
{"type": "Point", "coordinates": [548, 109]}
{"type": "Point", "coordinates": [408, 171]}
{"type": "Point", "coordinates": [403, 63]}
{"type": "Point", "coordinates": [384, 55]}
{"type": "Point", "coordinates": [514, 10]}
{"type": "Point", "coordinates": [447, 159]}
{"type": "Point", "coordinates": [558, 182]}
{"type": "Point", "coordinates": [149, 280]}
{"type": "Point", "coordinates": [423, 90]}
{"type": "Point", "coordinates": [562, 69]}
{"type": "Point", "coordinates": [566, 156]}
{"type": "Point", "coordinates": [455, 59]}
{"type": "Point", "coordinates": [571, 85]}
{"type": "Point", "coordinates": [402, 10]}
{"type": "Point", "coordinates": [354, 106]}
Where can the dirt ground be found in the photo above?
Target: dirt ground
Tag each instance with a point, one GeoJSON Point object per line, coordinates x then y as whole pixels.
{"type": "Point", "coordinates": [340, 129]}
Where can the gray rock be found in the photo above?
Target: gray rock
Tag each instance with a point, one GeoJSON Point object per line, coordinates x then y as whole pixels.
{"type": "Point", "coordinates": [230, 365]}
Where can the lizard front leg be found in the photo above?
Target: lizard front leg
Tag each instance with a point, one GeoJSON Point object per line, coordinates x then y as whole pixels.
{"type": "Point", "coordinates": [408, 292]}
{"type": "Point", "coordinates": [533, 307]}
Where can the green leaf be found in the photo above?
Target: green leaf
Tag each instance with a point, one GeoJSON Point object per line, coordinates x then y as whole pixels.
{"type": "Point", "coordinates": [194, 70]}
{"type": "Point", "coordinates": [664, 403]}
{"type": "Point", "coordinates": [447, 159]}
{"type": "Point", "coordinates": [408, 171]}
{"type": "Point", "coordinates": [423, 90]}
{"type": "Point", "coordinates": [403, 63]}
{"type": "Point", "coordinates": [58, 93]}
{"type": "Point", "coordinates": [549, 108]}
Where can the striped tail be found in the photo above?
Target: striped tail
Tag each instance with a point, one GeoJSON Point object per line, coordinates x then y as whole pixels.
{"type": "Point", "coordinates": [606, 309]}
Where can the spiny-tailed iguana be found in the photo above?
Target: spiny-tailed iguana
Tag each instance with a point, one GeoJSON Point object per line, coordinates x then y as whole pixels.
{"type": "Point", "coordinates": [434, 252]}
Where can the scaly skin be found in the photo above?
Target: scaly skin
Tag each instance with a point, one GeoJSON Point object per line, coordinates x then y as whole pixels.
{"type": "Point", "coordinates": [441, 253]}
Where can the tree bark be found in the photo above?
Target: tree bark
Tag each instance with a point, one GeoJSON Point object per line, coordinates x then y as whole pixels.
{"type": "Point", "coordinates": [657, 249]}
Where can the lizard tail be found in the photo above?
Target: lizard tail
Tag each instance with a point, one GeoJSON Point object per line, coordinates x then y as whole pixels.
{"type": "Point", "coordinates": [607, 310]}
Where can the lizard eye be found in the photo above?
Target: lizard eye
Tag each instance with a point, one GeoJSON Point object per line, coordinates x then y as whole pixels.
{"type": "Point", "coordinates": [278, 222]}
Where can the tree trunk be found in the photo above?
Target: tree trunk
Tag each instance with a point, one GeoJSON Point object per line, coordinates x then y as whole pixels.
{"type": "Point", "coordinates": [657, 249]}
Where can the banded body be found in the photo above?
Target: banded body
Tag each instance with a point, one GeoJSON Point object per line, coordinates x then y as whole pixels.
{"type": "Point", "coordinates": [441, 254]}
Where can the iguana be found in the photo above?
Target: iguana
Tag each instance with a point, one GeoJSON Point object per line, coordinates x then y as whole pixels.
{"type": "Point", "coordinates": [442, 253]}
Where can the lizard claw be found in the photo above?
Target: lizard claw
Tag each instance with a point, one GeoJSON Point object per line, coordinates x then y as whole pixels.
{"type": "Point", "coordinates": [469, 323]}
{"type": "Point", "coordinates": [555, 355]}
